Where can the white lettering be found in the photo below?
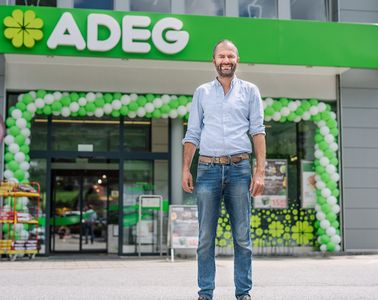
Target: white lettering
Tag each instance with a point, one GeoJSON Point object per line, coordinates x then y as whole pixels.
{"type": "Point", "coordinates": [96, 20]}
{"type": "Point", "coordinates": [130, 33]}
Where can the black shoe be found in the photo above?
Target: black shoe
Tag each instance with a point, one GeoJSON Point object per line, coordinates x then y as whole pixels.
{"type": "Point", "coordinates": [203, 298]}
{"type": "Point", "coordinates": [245, 297]}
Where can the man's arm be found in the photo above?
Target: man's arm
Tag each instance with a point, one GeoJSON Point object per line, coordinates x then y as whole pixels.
{"type": "Point", "coordinates": [187, 179]}
{"type": "Point", "coordinates": [257, 184]}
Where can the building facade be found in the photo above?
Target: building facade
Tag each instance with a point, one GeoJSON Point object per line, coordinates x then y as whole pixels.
{"type": "Point", "coordinates": [103, 89]}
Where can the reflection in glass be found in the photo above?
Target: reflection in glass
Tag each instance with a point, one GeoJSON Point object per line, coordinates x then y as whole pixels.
{"type": "Point", "coordinates": [207, 8]}
{"type": "Point", "coordinates": [137, 135]}
{"type": "Point", "coordinates": [258, 9]}
{"type": "Point", "coordinates": [150, 5]}
{"type": "Point", "coordinates": [96, 4]}
{"type": "Point", "coordinates": [37, 2]}
{"type": "Point", "coordinates": [38, 132]}
{"type": "Point", "coordinates": [309, 9]}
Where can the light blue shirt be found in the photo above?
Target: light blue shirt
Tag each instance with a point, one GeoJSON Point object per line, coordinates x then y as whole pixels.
{"type": "Point", "coordinates": [219, 124]}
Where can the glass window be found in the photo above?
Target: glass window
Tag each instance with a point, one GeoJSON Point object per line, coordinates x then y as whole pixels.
{"type": "Point", "coordinates": [36, 2]}
{"type": "Point", "coordinates": [150, 5]}
{"type": "Point", "coordinates": [137, 135]}
{"type": "Point", "coordinates": [38, 133]}
{"type": "Point", "coordinates": [258, 9]}
{"type": "Point", "coordinates": [309, 9]}
{"type": "Point", "coordinates": [96, 4]}
{"type": "Point", "coordinates": [207, 8]}
{"type": "Point", "coordinates": [159, 135]}
{"type": "Point", "coordinates": [102, 133]}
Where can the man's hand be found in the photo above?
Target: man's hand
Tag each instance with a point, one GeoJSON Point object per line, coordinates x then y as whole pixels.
{"type": "Point", "coordinates": [187, 181]}
{"type": "Point", "coordinates": [257, 185]}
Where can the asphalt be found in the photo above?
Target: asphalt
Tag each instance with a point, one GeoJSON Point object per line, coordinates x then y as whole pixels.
{"type": "Point", "coordinates": [111, 277]}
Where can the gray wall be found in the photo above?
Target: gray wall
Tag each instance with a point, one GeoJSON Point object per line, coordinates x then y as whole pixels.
{"type": "Point", "coordinates": [359, 132]}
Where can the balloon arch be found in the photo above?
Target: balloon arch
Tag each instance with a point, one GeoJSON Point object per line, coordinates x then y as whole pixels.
{"type": "Point", "coordinates": [17, 140]}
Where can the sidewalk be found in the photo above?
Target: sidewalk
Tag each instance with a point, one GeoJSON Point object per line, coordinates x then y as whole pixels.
{"type": "Point", "coordinates": [337, 277]}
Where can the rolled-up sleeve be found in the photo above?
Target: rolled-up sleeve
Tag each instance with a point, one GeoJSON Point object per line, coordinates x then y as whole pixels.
{"type": "Point", "coordinates": [256, 113]}
{"type": "Point", "coordinates": [195, 123]}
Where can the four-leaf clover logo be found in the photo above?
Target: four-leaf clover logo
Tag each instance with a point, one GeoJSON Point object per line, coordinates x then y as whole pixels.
{"type": "Point", "coordinates": [23, 28]}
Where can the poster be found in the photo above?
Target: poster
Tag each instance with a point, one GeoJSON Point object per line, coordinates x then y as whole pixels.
{"type": "Point", "coordinates": [308, 184]}
{"type": "Point", "coordinates": [183, 226]}
{"type": "Point", "coordinates": [275, 192]}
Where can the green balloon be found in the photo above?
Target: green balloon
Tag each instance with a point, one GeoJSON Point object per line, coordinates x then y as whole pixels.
{"type": "Point", "coordinates": [299, 111]}
{"type": "Point", "coordinates": [305, 105]}
{"type": "Point", "coordinates": [331, 185]}
{"type": "Point", "coordinates": [20, 139]}
{"type": "Point", "coordinates": [313, 102]}
{"type": "Point", "coordinates": [321, 200]}
{"type": "Point", "coordinates": [335, 193]}
{"type": "Point", "coordinates": [334, 131]}
{"type": "Point", "coordinates": [182, 100]}
{"type": "Point", "coordinates": [174, 103]}
{"type": "Point", "coordinates": [13, 166]}
{"type": "Point", "coordinates": [19, 174]}
{"type": "Point", "coordinates": [21, 106]}
{"type": "Point", "coordinates": [124, 110]}
{"type": "Point", "coordinates": [109, 98]}
{"type": "Point", "coordinates": [27, 157]}
{"type": "Point", "coordinates": [66, 101]}
{"type": "Point", "coordinates": [156, 114]}
{"type": "Point", "coordinates": [323, 146]}
{"type": "Point", "coordinates": [25, 148]}
{"type": "Point", "coordinates": [74, 97]}
{"type": "Point", "coordinates": [165, 109]}
{"type": "Point", "coordinates": [324, 239]}
{"type": "Point", "coordinates": [99, 102]}
{"type": "Point", "coordinates": [325, 177]}
{"type": "Point", "coordinates": [316, 118]}
{"type": "Point", "coordinates": [292, 116]}
{"type": "Point", "coordinates": [10, 122]}
{"type": "Point", "coordinates": [117, 96]}
{"type": "Point", "coordinates": [269, 111]}
{"type": "Point", "coordinates": [325, 115]}
{"type": "Point", "coordinates": [331, 217]}
{"type": "Point", "coordinates": [27, 98]}
{"type": "Point", "coordinates": [141, 100]}
{"type": "Point", "coordinates": [41, 93]}
{"type": "Point", "coordinates": [321, 232]}
{"type": "Point", "coordinates": [75, 114]}
{"type": "Point", "coordinates": [331, 247]}
{"type": "Point", "coordinates": [115, 114]}
{"type": "Point", "coordinates": [9, 156]}
{"type": "Point", "coordinates": [318, 138]}
{"type": "Point", "coordinates": [325, 208]}
{"type": "Point", "coordinates": [82, 94]}
{"type": "Point", "coordinates": [47, 110]}
{"type": "Point", "coordinates": [39, 111]}
{"type": "Point", "coordinates": [82, 112]}
{"type": "Point", "coordinates": [334, 161]}
{"type": "Point", "coordinates": [150, 97]}
{"type": "Point", "coordinates": [11, 109]}
{"type": "Point", "coordinates": [27, 115]}
{"type": "Point", "coordinates": [277, 106]}
{"type": "Point", "coordinates": [317, 224]}
{"type": "Point", "coordinates": [56, 107]}
{"type": "Point", "coordinates": [133, 106]}
{"type": "Point", "coordinates": [319, 170]}
{"type": "Point", "coordinates": [316, 162]}
{"type": "Point", "coordinates": [284, 101]}
{"type": "Point", "coordinates": [148, 115]}
{"type": "Point", "coordinates": [90, 107]}
{"type": "Point", "coordinates": [14, 131]}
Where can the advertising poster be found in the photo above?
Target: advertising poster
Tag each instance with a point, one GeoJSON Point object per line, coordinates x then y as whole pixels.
{"type": "Point", "coordinates": [308, 184]}
{"type": "Point", "coordinates": [183, 226]}
{"type": "Point", "coordinates": [275, 192]}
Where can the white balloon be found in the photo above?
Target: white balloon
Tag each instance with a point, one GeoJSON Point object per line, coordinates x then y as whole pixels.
{"type": "Point", "coordinates": [316, 147]}
{"type": "Point", "coordinates": [264, 104]}
{"type": "Point", "coordinates": [31, 107]}
{"type": "Point", "coordinates": [324, 161]}
{"type": "Point", "coordinates": [337, 248]}
{"type": "Point", "coordinates": [335, 208]}
{"type": "Point", "coordinates": [317, 178]}
{"type": "Point", "coordinates": [164, 116]}
{"type": "Point", "coordinates": [74, 107]}
{"type": "Point", "coordinates": [326, 192]}
{"type": "Point", "coordinates": [314, 110]}
{"type": "Point", "coordinates": [336, 239]}
{"type": "Point", "coordinates": [285, 111]}
{"type": "Point", "coordinates": [321, 123]}
{"type": "Point", "coordinates": [292, 106]}
{"type": "Point", "coordinates": [181, 110]}
{"type": "Point", "coordinates": [24, 166]}
{"type": "Point", "coordinates": [331, 200]}
{"type": "Point", "coordinates": [125, 99]}
{"type": "Point", "coordinates": [165, 99]}
{"type": "Point", "coordinates": [14, 148]}
{"type": "Point", "coordinates": [8, 174]}
{"type": "Point", "coordinates": [56, 113]}
{"type": "Point", "coordinates": [268, 118]}
{"type": "Point", "coordinates": [141, 112]}
{"type": "Point", "coordinates": [48, 99]}
{"type": "Point", "coordinates": [19, 97]}
{"type": "Point", "coordinates": [324, 130]}
{"type": "Point", "coordinates": [9, 139]}
{"type": "Point", "coordinates": [27, 141]}
{"type": "Point", "coordinates": [320, 185]}
{"type": "Point", "coordinates": [65, 112]}
{"type": "Point", "coordinates": [331, 231]}
{"type": "Point", "coordinates": [133, 97]}
{"type": "Point", "coordinates": [332, 115]}
{"type": "Point", "coordinates": [33, 94]}
{"type": "Point", "coordinates": [276, 116]}
{"type": "Point", "coordinates": [25, 132]}
{"type": "Point", "coordinates": [90, 97]}
{"type": "Point", "coordinates": [297, 119]}
{"type": "Point", "coordinates": [99, 112]}
{"type": "Point", "coordinates": [27, 175]}
{"type": "Point", "coordinates": [82, 101]}
{"type": "Point", "coordinates": [329, 138]}
{"type": "Point", "coordinates": [157, 102]}
{"type": "Point", "coordinates": [188, 106]}
{"type": "Point", "coordinates": [65, 94]}
{"type": "Point", "coordinates": [19, 157]}
{"type": "Point", "coordinates": [335, 177]}
{"type": "Point", "coordinates": [321, 107]}
{"type": "Point", "coordinates": [173, 114]}
{"type": "Point", "coordinates": [325, 224]}
{"type": "Point", "coordinates": [132, 114]}
{"type": "Point", "coordinates": [320, 216]}
{"type": "Point", "coordinates": [269, 101]}
{"type": "Point", "coordinates": [149, 107]}
{"type": "Point", "coordinates": [318, 154]}
{"type": "Point", "coordinates": [57, 96]}
{"type": "Point", "coordinates": [173, 97]}
{"type": "Point", "coordinates": [16, 114]}
{"type": "Point", "coordinates": [116, 104]}
{"type": "Point", "coordinates": [108, 108]}
{"type": "Point", "coordinates": [334, 147]}
{"type": "Point", "coordinates": [99, 95]}
{"type": "Point", "coordinates": [331, 169]}
{"type": "Point", "coordinates": [323, 248]}
{"type": "Point", "coordinates": [39, 103]}
{"type": "Point", "coordinates": [90, 113]}
{"type": "Point", "coordinates": [306, 116]}
{"type": "Point", "coordinates": [317, 207]}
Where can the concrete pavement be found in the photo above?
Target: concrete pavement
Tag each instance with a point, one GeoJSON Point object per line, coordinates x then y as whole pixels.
{"type": "Point", "coordinates": [111, 277]}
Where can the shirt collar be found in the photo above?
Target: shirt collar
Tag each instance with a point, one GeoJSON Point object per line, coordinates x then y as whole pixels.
{"type": "Point", "coordinates": [233, 82]}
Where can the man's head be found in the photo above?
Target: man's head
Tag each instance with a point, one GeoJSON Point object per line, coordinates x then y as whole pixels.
{"type": "Point", "coordinates": [225, 58]}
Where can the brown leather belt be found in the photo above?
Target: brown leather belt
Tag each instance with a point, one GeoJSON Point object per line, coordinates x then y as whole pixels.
{"type": "Point", "coordinates": [223, 160]}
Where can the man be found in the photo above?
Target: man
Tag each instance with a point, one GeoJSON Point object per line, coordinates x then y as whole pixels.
{"type": "Point", "coordinates": [222, 114]}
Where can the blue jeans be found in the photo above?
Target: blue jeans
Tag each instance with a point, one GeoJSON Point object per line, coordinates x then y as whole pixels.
{"type": "Point", "coordinates": [231, 182]}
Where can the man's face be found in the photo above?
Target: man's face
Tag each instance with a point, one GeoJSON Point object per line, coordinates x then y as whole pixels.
{"type": "Point", "coordinates": [225, 60]}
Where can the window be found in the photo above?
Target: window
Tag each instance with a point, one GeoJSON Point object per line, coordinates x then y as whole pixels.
{"type": "Point", "coordinates": [309, 9]}
{"type": "Point", "coordinates": [96, 4]}
{"type": "Point", "coordinates": [150, 5]}
{"type": "Point", "coordinates": [207, 8]}
{"type": "Point", "coordinates": [258, 9]}
{"type": "Point", "coordinates": [37, 2]}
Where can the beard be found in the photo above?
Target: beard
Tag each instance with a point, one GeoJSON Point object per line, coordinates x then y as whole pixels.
{"type": "Point", "coordinates": [226, 73]}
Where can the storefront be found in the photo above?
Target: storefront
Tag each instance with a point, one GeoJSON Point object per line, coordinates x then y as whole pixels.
{"type": "Point", "coordinates": [96, 104]}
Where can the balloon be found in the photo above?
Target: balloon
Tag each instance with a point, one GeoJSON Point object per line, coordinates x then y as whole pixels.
{"type": "Point", "coordinates": [24, 166]}
{"type": "Point", "coordinates": [82, 112]}
{"type": "Point", "coordinates": [107, 108]}
{"type": "Point", "coordinates": [25, 132]}
{"type": "Point", "coordinates": [314, 110]}
{"type": "Point", "coordinates": [8, 174]}
{"type": "Point", "coordinates": [65, 112]}
{"type": "Point", "coordinates": [149, 107]}
{"type": "Point", "coordinates": [100, 102]}
{"type": "Point", "coordinates": [115, 113]}
{"type": "Point", "coordinates": [285, 111]}
{"type": "Point", "coordinates": [66, 101]}
{"type": "Point", "coordinates": [335, 177]}
{"type": "Point", "coordinates": [325, 224]}
{"type": "Point", "coordinates": [116, 96]}
{"type": "Point", "coordinates": [336, 239]}
{"type": "Point", "coordinates": [321, 107]}
{"type": "Point", "coordinates": [14, 148]}
{"type": "Point", "coordinates": [25, 149]}
{"type": "Point", "coordinates": [325, 193]}
{"type": "Point", "coordinates": [19, 139]}
{"type": "Point", "coordinates": [165, 99]}
{"type": "Point", "coordinates": [329, 138]}
{"type": "Point", "coordinates": [276, 116]}
{"type": "Point", "coordinates": [57, 95]}
{"type": "Point", "coordinates": [125, 99]}
{"type": "Point", "coordinates": [132, 114]}
{"type": "Point", "coordinates": [48, 99]}
{"type": "Point", "coordinates": [124, 110]}
{"type": "Point", "coordinates": [16, 114]}
{"type": "Point", "coordinates": [156, 114]}
{"type": "Point", "coordinates": [133, 97]}
{"type": "Point", "coordinates": [292, 106]}
{"type": "Point", "coordinates": [133, 106]}
{"type": "Point", "coordinates": [116, 104]}
{"type": "Point", "coordinates": [109, 98]}
{"type": "Point", "coordinates": [141, 101]}
{"type": "Point", "coordinates": [90, 97]}
{"type": "Point", "coordinates": [269, 101]}
{"type": "Point", "coordinates": [324, 130]}
{"type": "Point", "coordinates": [141, 112]}
{"type": "Point", "coordinates": [323, 248]}
{"type": "Point", "coordinates": [19, 174]}
{"type": "Point", "coordinates": [99, 112]}
{"type": "Point", "coordinates": [277, 106]}
{"type": "Point", "coordinates": [56, 107]}
{"type": "Point", "coordinates": [39, 103]}
{"type": "Point", "coordinates": [82, 101]}
{"type": "Point", "coordinates": [331, 231]}
{"type": "Point", "coordinates": [269, 111]}
{"type": "Point", "coordinates": [182, 100]}
{"type": "Point", "coordinates": [306, 116]}
{"type": "Point", "coordinates": [331, 200]}
{"type": "Point", "coordinates": [331, 169]}
{"type": "Point", "coordinates": [74, 97]}
{"type": "Point", "coordinates": [334, 147]}
{"type": "Point", "coordinates": [47, 110]}
{"type": "Point", "coordinates": [335, 208]}
{"type": "Point", "coordinates": [90, 107]}
{"type": "Point", "coordinates": [324, 161]}
{"type": "Point", "coordinates": [181, 110]}
{"type": "Point", "coordinates": [173, 114]}
{"type": "Point", "coordinates": [74, 107]}
{"type": "Point", "coordinates": [330, 246]}
{"type": "Point", "coordinates": [318, 154]}
{"type": "Point", "coordinates": [9, 139]}
{"type": "Point", "coordinates": [323, 239]}
{"type": "Point", "coordinates": [165, 109]}
{"type": "Point", "coordinates": [320, 216]}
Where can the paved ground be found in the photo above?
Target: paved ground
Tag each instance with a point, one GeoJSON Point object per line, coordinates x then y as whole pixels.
{"type": "Point", "coordinates": [106, 277]}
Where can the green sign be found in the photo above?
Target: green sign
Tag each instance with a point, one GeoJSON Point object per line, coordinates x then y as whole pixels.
{"type": "Point", "coordinates": [135, 35]}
